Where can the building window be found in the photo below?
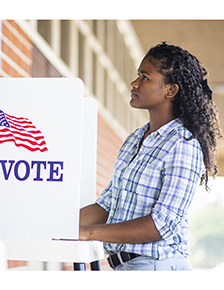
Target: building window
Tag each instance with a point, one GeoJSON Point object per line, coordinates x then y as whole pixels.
{"type": "Point", "coordinates": [44, 28]}
{"type": "Point", "coordinates": [81, 55]}
{"type": "Point", "coordinates": [65, 40]}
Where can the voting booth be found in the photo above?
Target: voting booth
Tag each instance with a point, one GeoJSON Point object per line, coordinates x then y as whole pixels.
{"type": "Point", "coordinates": [48, 133]}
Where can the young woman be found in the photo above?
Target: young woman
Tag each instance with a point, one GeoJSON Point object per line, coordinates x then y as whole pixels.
{"type": "Point", "coordinates": [142, 215]}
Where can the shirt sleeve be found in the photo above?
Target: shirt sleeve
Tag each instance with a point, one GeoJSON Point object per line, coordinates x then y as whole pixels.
{"type": "Point", "coordinates": [181, 173]}
{"type": "Point", "coordinates": [104, 200]}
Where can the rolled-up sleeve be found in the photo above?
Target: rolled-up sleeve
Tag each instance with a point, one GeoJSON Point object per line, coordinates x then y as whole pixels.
{"type": "Point", "coordinates": [183, 167]}
{"type": "Point", "coordinates": [104, 200]}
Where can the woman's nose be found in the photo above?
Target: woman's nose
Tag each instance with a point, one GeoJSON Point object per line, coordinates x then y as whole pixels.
{"type": "Point", "coordinates": [135, 84]}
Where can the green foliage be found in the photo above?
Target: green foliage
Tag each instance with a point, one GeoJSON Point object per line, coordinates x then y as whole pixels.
{"type": "Point", "coordinates": [207, 236]}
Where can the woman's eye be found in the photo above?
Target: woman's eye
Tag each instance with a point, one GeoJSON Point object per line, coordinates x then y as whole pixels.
{"type": "Point", "coordinates": [143, 76]}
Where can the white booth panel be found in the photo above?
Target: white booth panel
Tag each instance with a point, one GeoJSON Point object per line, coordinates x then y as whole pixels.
{"type": "Point", "coordinates": [89, 152]}
{"type": "Point", "coordinates": [40, 183]}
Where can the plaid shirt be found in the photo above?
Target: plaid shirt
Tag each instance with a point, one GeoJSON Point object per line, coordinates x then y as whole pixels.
{"type": "Point", "coordinates": [161, 181]}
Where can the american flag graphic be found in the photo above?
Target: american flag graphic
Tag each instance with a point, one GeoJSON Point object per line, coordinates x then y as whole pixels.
{"type": "Point", "coordinates": [22, 132]}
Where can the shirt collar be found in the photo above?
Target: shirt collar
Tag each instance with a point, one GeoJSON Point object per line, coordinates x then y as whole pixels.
{"type": "Point", "coordinates": [141, 131]}
{"type": "Point", "coordinates": [165, 129]}
{"type": "Point", "coordinates": [172, 125]}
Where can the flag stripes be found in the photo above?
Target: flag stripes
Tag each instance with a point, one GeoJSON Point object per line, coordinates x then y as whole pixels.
{"type": "Point", "coordinates": [22, 132]}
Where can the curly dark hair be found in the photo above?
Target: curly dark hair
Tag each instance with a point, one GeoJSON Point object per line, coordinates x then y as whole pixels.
{"type": "Point", "coordinates": [191, 104]}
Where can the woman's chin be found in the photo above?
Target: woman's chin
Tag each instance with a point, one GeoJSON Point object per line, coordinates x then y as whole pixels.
{"type": "Point", "coordinates": [134, 103]}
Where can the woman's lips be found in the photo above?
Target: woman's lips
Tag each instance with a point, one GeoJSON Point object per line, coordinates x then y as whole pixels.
{"type": "Point", "coordinates": [134, 95]}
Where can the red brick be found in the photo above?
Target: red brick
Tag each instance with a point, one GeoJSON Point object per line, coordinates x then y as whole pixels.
{"type": "Point", "coordinates": [26, 50]}
{"type": "Point", "coordinates": [12, 22]}
{"type": "Point", "coordinates": [14, 264]}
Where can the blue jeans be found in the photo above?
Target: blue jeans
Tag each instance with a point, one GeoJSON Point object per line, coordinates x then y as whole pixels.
{"type": "Point", "coordinates": [176, 263]}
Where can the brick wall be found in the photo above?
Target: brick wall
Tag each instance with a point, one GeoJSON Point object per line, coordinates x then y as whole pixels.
{"type": "Point", "coordinates": [108, 145]}
{"type": "Point", "coordinates": [16, 51]}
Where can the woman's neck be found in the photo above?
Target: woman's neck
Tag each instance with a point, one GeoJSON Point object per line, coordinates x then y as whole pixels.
{"type": "Point", "coordinates": [159, 120]}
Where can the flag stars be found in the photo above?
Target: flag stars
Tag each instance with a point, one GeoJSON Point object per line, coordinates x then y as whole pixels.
{"type": "Point", "coordinates": [3, 121]}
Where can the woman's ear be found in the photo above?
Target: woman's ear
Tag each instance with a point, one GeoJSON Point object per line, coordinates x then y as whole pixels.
{"type": "Point", "coordinates": [172, 90]}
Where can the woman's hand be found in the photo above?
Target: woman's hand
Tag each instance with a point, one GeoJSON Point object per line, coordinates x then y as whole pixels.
{"type": "Point", "coordinates": [89, 216]}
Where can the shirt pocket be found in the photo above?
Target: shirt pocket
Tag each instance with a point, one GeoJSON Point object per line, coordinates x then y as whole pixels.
{"type": "Point", "coordinates": [142, 175]}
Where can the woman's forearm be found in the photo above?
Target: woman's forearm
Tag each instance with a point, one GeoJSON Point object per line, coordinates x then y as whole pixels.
{"type": "Point", "coordinates": [140, 230]}
{"type": "Point", "coordinates": [92, 215]}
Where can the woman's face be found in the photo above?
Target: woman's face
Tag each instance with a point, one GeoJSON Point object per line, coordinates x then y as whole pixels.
{"type": "Point", "coordinates": [149, 90]}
